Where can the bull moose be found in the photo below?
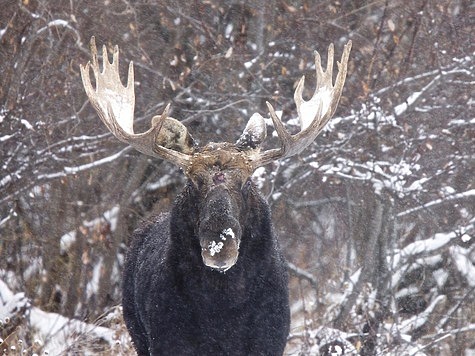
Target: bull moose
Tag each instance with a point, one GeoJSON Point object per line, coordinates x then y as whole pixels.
{"type": "Point", "coordinates": [209, 278]}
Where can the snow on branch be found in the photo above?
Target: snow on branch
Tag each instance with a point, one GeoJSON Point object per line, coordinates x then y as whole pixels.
{"type": "Point", "coordinates": [61, 23]}
{"type": "Point", "coordinates": [110, 216]}
{"type": "Point", "coordinates": [72, 143]}
{"type": "Point", "coordinates": [419, 320]}
{"type": "Point", "coordinates": [381, 174]}
{"type": "Point", "coordinates": [326, 341]}
{"type": "Point", "coordinates": [411, 100]}
{"type": "Point", "coordinates": [464, 264]}
{"type": "Point", "coordinates": [73, 170]}
{"type": "Point", "coordinates": [452, 69]}
{"type": "Point", "coordinates": [464, 195]}
{"type": "Point", "coordinates": [66, 171]}
{"type": "Point", "coordinates": [403, 260]}
{"type": "Point", "coordinates": [299, 272]}
{"type": "Point", "coordinates": [10, 303]}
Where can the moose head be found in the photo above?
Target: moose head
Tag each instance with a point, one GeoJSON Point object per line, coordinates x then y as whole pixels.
{"type": "Point", "coordinates": [219, 172]}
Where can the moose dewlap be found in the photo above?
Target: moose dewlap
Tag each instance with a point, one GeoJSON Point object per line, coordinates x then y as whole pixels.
{"type": "Point", "coordinates": [209, 278]}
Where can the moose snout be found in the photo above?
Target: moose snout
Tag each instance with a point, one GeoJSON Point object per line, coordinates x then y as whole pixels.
{"type": "Point", "coordinates": [218, 265]}
{"type": "Point", "coordinates": [220, 249]}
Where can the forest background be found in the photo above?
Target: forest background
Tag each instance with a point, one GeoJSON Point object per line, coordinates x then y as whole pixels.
{"type": "Point", "coordinates": [376, 218]}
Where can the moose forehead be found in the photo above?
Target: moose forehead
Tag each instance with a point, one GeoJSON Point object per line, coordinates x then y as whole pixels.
{"type": "Point", "coordinates": [216, 159]}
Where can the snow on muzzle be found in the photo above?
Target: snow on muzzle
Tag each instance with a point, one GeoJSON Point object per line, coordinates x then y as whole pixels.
{"type": "Point", "coordinates": [220, 249]}
{"type": "Point", "coordinates": [219, 229]}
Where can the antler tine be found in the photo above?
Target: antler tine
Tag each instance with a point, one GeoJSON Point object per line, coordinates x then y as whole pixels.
{"type": "Point", "coordinates": [313, 114]}
{"type": "Point", "coordinates": [115, 103]}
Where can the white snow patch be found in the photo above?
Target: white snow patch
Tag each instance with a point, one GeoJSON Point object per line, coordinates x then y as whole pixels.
{"type": "Point", "coordinates": [423, 246]}
{"type": "Point", "coordinates": [70, 237]}
{"type": "Point", "coordinates": [6, 137]}
{"type": "Point", "coordinates": [228, 30]}
{"type": "Point", "coordinates": [26, 124]}
{"type": "Point", "coordinates": [227, 233]}
{"type": "Point", "coordinates": [407, 291]}
{"type": "Point", "coordinates": [54, 332]}
{"type": "Point", "coordinates": [6, 180]}
{"type": "Point", "coordinates": [465, 238]}
{"type": "Point", "coordinates": [67, 240]}
{"type": "Point", "coordinates": [250, 63]}
{"type": "Point", "coordinates": [463, 263]}
{"type": "Point", "coordinates": [440, 277]}
{"type": "Point", "coordinates": [325, 336]}
{"type": "Point", "coordinates": [337, 350]}
{"type": "Point", "coordinates": [3, 112]}
{"type": "Point", "coordinates": [57, 22]}
{"type": "Point", "coordinates": [415, 322]}
{"type": "Point", "coordinates": [401, 108]}
{"type": "Point", "coordinates": [10, 303]}
{"type": "Point", "coordinates": [259, 177]}
{"type": "Point", "coordinates": [93, 285]}
{"type": "Point", "coordinates": [164, 181]}
{"type": "Point", "coordinates": [215, 248]}
{"type": "Point", "coordinates": [74, 170]}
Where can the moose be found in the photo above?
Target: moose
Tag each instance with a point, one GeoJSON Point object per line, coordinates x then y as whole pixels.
{"type": "Point", "coordinates": [209, 278]}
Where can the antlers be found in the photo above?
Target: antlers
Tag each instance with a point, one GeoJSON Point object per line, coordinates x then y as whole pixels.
{"type": "Point", "coordinates": [115, 103]}
{"type": "Point", "coordinates": [313, 114]}
{"type": "Point", "coordinates": [169, 139]}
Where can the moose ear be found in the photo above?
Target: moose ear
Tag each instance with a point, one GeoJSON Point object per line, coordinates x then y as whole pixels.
{"type": "Point", "coordinates": [254, 133]}
{"type": "Point", "coordinates": [173, 135]}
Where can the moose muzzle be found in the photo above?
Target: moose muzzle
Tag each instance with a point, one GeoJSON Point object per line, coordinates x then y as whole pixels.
{"type": "Point", "coordinates": [219, 230]}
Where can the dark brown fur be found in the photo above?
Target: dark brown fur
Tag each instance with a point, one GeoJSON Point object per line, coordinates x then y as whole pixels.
{"type": "Point", "coordinates": [176, 305]}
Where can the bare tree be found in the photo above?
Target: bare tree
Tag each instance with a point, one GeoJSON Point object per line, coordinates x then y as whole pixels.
{"type": "Point", "coordinates": [378, 214]}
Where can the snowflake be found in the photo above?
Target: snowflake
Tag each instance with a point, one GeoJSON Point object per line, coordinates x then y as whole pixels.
{"type": "Point", "coordinates": [215, 247]}
{"type": "Point", "coordinates": [226, 233]}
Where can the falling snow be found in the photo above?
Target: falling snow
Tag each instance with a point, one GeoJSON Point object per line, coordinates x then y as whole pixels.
{"type": "Point", "coordinates": [405, 141]}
